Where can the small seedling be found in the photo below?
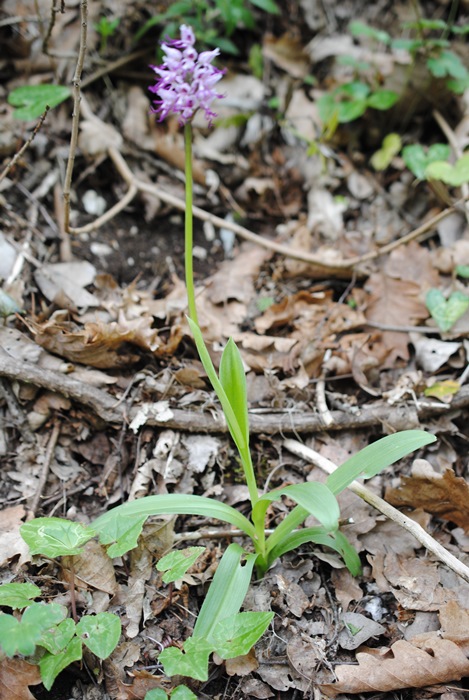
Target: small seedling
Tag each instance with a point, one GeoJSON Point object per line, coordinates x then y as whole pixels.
{"type": "Point", "coordinates": [446, 311]}
{"type": "Point", "coordinates": [106, 28]}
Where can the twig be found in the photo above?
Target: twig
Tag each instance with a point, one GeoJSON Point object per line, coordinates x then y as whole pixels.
{"type": "Point", "coordinates": [458, 152]}
{"type": "Point", "coordinates": [389, 511]}
{"type": "Point", "coordinates": [23, 148]}
{"type": "Point", "coordinates": [76, 113]}
{"type": "Point", "coordinates": [196, 421]}
{"type": "Point", "coordinates": [136, 185]}
{"type": "Point", "coordinates": [46, 466]}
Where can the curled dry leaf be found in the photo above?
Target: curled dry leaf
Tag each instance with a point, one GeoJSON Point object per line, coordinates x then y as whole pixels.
{"type": "Point", "coordinates": [402, 666]}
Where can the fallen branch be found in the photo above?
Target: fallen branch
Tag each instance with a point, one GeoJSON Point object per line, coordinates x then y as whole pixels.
{"type": "Point", "coordinates": [389, 511]}
{"type": "Point", "coordinates": [114, 412]}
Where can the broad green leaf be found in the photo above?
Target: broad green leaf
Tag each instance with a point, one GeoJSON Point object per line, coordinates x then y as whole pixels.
{"type": "Point", "coordinates": [438, 151]}
{"type": "Point", "coordinates": [192, 661]}
{"type": "Point", "coordinates": [267, 5]}
{"type": "Point", "coordinates": [51, 665]}
{"type": "Point", "coordinates": [18, 595]}
{"type": "Point", "coordinates": [55, 537]}
{"type": "Point", "coordinates": [447, 64]}
{"type": "Point", "coordinates": [462, 271]}
{"type": "Point", "coordinates": [100, 633]}
{"type": "Point", "coordinates": [176, 563]}
{"type": "Point", "coordinates": [377, 456]}
{"type": "Point", "coordinates": [411, 45]}
{"type": "Point", "coordinates": [454, 175]}
{"type": "Point", "coordinates": [182, 504]}
{"type": "Point", "coordinates": [417, 160]}
{"type": "Point", "coordinates": [124, 533]}
{"type": "Point", "coordinates": [382, 99]}
{"type": "Point", "coordinates": [446, 311]}
{"type": "Point", "coordinates": [237, 634]}
{"type": "Point", "coordinates": [315, 498]}
{"type": "Point", "coordinates": [390, 147]}
{"type": "Point", "coordinates": [57, 638]}
{"type": "Point", "coordinates": [358, 28]}
{"type": "Point", "coordinates": [156, 694]}
{"type": "Point", "coordinates": [356, 90]}
{"type": "Point", "coordinates": [233, 381]}
{"type": "Point", "coordinates": [32, 100]}
{"type": "Point", "coordinates": [21, 636]}
{"type": "Point", "coordinates": [227, 590]}
{"type": "Point", "coordinates": [349, 111]}
{"type": "Point", "coordinates": [182, 692]}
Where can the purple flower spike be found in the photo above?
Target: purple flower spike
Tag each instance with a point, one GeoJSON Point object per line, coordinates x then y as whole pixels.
{"type": "Point", "coordinates": [186, 80]}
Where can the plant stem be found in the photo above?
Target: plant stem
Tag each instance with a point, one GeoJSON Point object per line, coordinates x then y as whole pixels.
{"type": "Point", "coordinates": [188, 225]}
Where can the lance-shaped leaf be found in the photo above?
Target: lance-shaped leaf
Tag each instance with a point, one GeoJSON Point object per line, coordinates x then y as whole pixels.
{"type": "Point", "coordinates": [233, 380]}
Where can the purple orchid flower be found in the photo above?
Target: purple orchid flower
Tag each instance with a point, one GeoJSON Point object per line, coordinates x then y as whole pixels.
{"type": "Point", "coordinates": [186, 79]}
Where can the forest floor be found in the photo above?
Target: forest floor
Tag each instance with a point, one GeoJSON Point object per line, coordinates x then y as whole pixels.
{"type": "Point", "coordinates": [316, 263]}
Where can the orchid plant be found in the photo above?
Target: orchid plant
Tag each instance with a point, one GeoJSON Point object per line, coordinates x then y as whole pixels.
{"type": "Point", "coordinates": [187, 82]}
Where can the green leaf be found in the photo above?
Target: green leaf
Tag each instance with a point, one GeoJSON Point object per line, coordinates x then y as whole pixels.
{"type": "Point", "coordinates": [358, 28]}
{"type": "Point", "coordinates": [227, 590]}
{"type": "Point", "coordinates": [237, 634]}
{"type": "Point", "coordinates": [315, 498]}
{"type": "Point", "coordinates": [192, 661]}
{"type": "Point", "coordinates": [454, 175]}
{"type": "Point", "coordinates": [382, 99]}
{"type": "Point", "coordinates": [267, 5]}
{"type": "Point", "coordinates": [377, 456]}
{"type": "Point", "coordinates": [234, 428]}
{"type": "Point", "coordinates": [176, 563]}
{"type": "Point", "coordinates": [21, 636]}
{"type": "Point", "coordinates": [124, 533]}
{"type": "Point", "coordinates": [32, 100]}
{"type": "Point", "coordinates": [233, 381]}
{"type": "Point", "coordinates": [356, 90]}
{"type": "Point", "coordinates": [446, 311]}
{"type": "Point", "coordinates": [100, 633]}
{"type": "Point", "coordinates": [57, 638]}
{"type": "Point", "coordinates": [390, 147]}
{"type": "Point", "coordinates": [156, 694]}
{"type": "Point", "coordinates": [55, 537]}
{"type": "Point", "coordinates": [417, 160]}
{"type": "Point", "coordinates": [447, 64]}
{"type": "Point", "coordinates": [461, 271]}
{"type": "Point", "coordinates": [182, 692]}
{"type": "Point", "coordinates": [18, 595]}
{"type": "Point", "coordinates": [182, 504]}
{"type": "Point", "coordinates": [349, 111]}
{"type": "Point", "coordinates": [51, 665]}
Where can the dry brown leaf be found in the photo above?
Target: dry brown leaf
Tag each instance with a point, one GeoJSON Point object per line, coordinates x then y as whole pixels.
{"type": "Point", "coordinates": [454, 622]}
{"type": "Point", "coordinates": [11, 542]}
{"type": "Point", "coordinates": [15, 677]}
{"type": "Point", "coordinates": [242, 665]}
{"type": "Point", "coordinates": [445, 495]}
{"type": "Point", "coordinates": [402, 666]}
{"type": "Point", "coordinates": [93, 568]}
{"type": "Point", "coordinates": [287, 53]}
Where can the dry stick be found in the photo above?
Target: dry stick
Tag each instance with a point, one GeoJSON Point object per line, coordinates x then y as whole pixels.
{"type": "Point", "coordinates": [45, 467]}
{"type": "Point", "coordinates": [23, 148]}
{"type": "Point", "coordinates": [76, 114]}
{"type": "Point", "coordinates": [136, 185]}
{"type": "Point", "coordinates": [458, 152]}
{"type": "Point", "coordinates": [389, 511]}
{"type": "Point", "coordinates": [109, 410]}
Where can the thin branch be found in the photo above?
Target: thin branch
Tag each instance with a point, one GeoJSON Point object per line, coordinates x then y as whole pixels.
{"type": "Point", "coordinates": [45, 467]}
{"type": "Point", "coordinates": [389, 511]}
{"type": "Point", "coordinates": [23, 148]}
{"type": "Point", "coordinates": [76, 113]}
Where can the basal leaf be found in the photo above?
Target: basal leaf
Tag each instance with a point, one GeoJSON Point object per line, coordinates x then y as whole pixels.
{"type": "Point", "coordinates": [18, 595]}
{"type": "Point", "coordinates": [176, 563]}
{"type": "Point", "coordinates": [57, 638]}
{"type": "Point", "coordinates": [315, 498]}
{"type": "Point", "coordinates": [182, 504]}
{"type": "Point", "coordinates": [237, 634]}
{"type": "Point", "coordinates": [377, 456]}
{"type": "Point", "coordinates": [351, 110]}
{"type": "Point", "coordinates": [55, 537]}
{"type": "Point", "coordinates": [382, 99]}
{"type": "Point", "coordinates": [227, 591]}
{"type": "Point", "coordinates": [123, 533]}
{"type": "Point", "coordinates": [182, 692]}
{"type": "Point", "coordinates": [51, 665]}
{"type": "Point", "coordinates": [100, 633]}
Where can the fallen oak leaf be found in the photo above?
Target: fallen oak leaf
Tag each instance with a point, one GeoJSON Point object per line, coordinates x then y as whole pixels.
{"type": "Point", "coordinates": [15, 677]}
{"type": "Point", "coordinates": [402, 666]}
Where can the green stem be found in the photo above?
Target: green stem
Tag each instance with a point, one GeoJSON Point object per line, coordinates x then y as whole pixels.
{"type": "Point", "coordinates": [188, 225]}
